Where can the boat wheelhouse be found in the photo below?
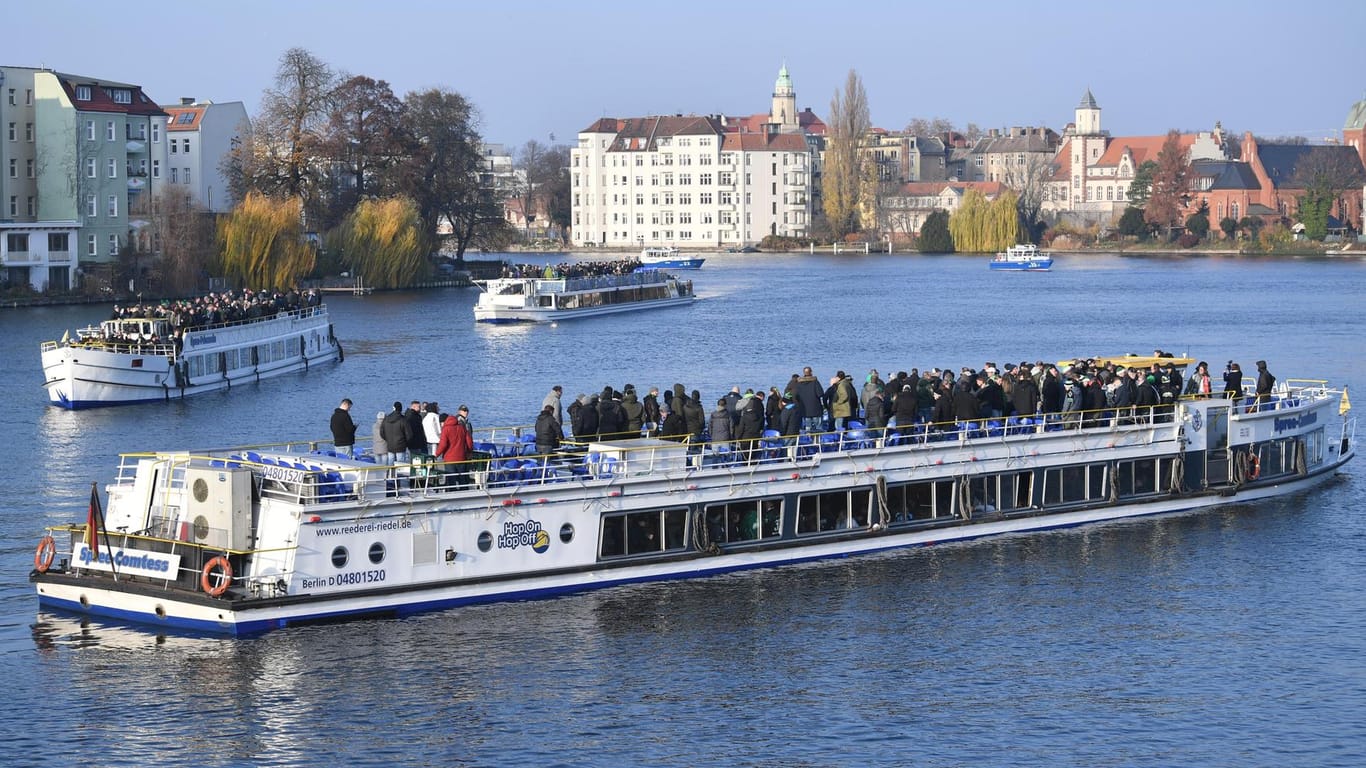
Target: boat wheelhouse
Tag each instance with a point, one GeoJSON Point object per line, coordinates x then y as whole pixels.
{"type": "Point", "coordinates": [1025, 257]}
{"type": "Point", "coordinates": [668, 257]}
{"type": "Point", "coordinates": [145, 359]}
{"type": "Point", "coordinates": [541, 300]}
{"type": "Point", "coordinates": [240, 541]}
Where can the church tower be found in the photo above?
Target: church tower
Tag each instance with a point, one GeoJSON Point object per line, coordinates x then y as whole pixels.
{"type": "Point", "coordinates": [783, 114]}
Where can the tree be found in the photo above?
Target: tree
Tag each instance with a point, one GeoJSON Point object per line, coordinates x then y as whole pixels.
{"type": "Point", "coordinates": [1229, 225]}
{"type": "Point", "coordinates": [263, 245]}
{"type": "Point", "coordinates": [1198, 223]}
{"type": "Point", "coordinates": [363, 138]}
{"type": "Point", "coordinates": [934, 126]}
{"type": "Point", "coordinates": [1325, 173]}
{"type": "Point", "coordinates": [1171, 183]}
{"type": "Point", "coordinates": [383, 241]}
{"type": "Point", "coordinates": [843, 177]}
{"type": "Point", "coordinates": [1141, 187]}
{"type": "Point", "coordinates": [278, 156]}
{"type": "Point", "coordinates": [935, 236]}
{"type": "Point", "coordinates": [1131, 223]}
{"type": "Point", "coordinates": [1251, 225]}
{"type": "Point", "coordinates": [177, 237]}
{"type": "Point", "coordinates": [442, 174]}
{"type": "Point", "coordinates": [1030, 182]}
{"type": "Point", "coordinates": [557, 197]}
{"type": "Point", "coordinates": [979, 226]}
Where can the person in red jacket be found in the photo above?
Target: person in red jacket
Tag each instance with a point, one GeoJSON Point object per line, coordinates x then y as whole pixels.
{"type": "Point", "coordinates": [455, 446]}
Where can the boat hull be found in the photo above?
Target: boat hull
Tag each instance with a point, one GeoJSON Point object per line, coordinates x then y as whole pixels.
{"type": "Point", "coordinates": [680, 263]}
{"type": "Point", "coordinates": [160, 609]}
{"type": "Point", "coordinates": [508, 315]}
{"type": "Point", "coordinates": [83, 375]}
{"type": "Point", "coordinates": [1030, 266]}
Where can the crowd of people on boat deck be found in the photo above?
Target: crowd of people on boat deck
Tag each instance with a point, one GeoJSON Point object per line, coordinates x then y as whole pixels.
{"type": "Point", "coordinates": [221, 307]}
{"type": "Point", "coordinates": [910, 401]}
{"type": "Point", "coordinates": [571, 270]}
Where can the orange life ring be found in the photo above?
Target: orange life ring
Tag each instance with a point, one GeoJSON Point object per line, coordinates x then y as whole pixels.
{"type": "Point", "coordinates": [47, 552]}
{"type": "Point", "coordinates": [1254, 466]}
{"type": "Point", "coordinates": [220, 569]}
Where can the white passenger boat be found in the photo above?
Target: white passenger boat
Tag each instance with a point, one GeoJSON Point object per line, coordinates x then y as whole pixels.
{"type": "Point", "coordinates": [143, 359]}
{"type": "Point", "coordinates": [668, 257]}
{"type": "Point", "coordinates": [1025, 257]}
{"type": "Point", "coordinates": [240, 541]}
{"type": "Point", "coordinates": [542, 300]}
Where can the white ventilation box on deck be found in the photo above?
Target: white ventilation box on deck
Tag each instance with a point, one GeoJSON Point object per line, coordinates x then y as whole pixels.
{"type": "Point", "coordinates": [218, 507]}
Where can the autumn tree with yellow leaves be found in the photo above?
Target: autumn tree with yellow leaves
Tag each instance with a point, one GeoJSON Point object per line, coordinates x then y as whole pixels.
{"type": "Point", "coordinates": [262, 243]}
{"type": "Point", "coordinates": [383, 242]}
{"type": "Point", "coordinates": [979, 226]}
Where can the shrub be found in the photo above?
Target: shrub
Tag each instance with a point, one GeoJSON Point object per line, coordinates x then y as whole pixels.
{"type": "Point", "coordinates": [1188, 240]}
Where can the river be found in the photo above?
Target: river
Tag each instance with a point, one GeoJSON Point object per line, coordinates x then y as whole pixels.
{"type": "Point", "coordinates": [1233, 637]}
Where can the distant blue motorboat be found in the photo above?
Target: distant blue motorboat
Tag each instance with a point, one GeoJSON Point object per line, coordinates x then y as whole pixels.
{"type": "Point", "coordinates": [667, 257]}
{"type": "Point", "coordinates": [1023, 258]}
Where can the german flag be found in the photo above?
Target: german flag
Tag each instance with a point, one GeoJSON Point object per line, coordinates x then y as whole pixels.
{"type": "Point", "coordinates": [92, 521]}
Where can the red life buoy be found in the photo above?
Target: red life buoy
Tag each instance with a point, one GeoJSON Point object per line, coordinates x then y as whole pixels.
{"type": "Point", "coordinates": [219, 570]}
{"type": "Point", "coordinates": [47, 551]}
{"type": "Point", "coordinates": [1254, 466]}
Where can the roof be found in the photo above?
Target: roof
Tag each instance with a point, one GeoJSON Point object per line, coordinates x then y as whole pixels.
{"type": "Point", "coordinates": [928, 188]}
{"type": "Point", "coordinates": [1028, 141]}
{"type": "Point", "coordinates": [1281, 160]}
{"type": "Point", "coordinates": [1227, 174]}
{"type": "Point", "coordinates": [184, 118]}
{"type": "Point", "coordinates": [1088, 101]}
{"type": "Point", "coordinates": [101, 96]}
{"type": "Point", "coordinates": [1356, 117]}
{"type": "Point", "coordinates": [1142, 147]}
{"type": "Point", "coordinates": [773, 142]}
{"type": "Point", "coordinates": [643, 133]}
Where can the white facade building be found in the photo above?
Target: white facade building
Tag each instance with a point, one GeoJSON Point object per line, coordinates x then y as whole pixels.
{"type": "Point", "coordinates": [199, 136]}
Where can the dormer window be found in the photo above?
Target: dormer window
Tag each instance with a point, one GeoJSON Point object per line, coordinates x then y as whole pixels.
{"type": "Point", "coordinates": [82, 93]}
{"type": "Point", "coordinates": [121, 96]}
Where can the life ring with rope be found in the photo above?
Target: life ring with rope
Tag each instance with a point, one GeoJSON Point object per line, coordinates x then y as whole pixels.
{"type": "Point", "coordinates": [219, 570]}
{"type": "Point", "coordinates": [45, 554]}
{"type": "Point", "coordinates": [1254, 466]}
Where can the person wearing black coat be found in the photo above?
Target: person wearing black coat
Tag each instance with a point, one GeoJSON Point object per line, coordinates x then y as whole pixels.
{"type": "Point", "coordinates": [964, 402]}
{"type": "Point", "coordinates": [941, 414]}
{"type": "Point", "coordinates": [672, 426]}
{"type": "Point", "coordinates": [548, 431]}
{"type": "Point", "coordinates": [397, 434]}
{"type": "Point", "coordinates": [1051, 393]}
{"type": "Point", "coordinates": [585, 423]}
{"type": "Point", "coordinates": [1265, 383]}
{"type": "Point", "coordinates": [1233, 381]}
{"type": "Point", "coordinates": [990, 396]}
{"type": "Point", "coordinates": [1025, 396]}
{"type": "Point", "coordinates": [905, 409]}
{"type": "Point", "coordinates": [417, 437]}
{"type": "Point", "coordinates": [611, 416]}
{"type": "Point", "coordinates": [343, 428]}
{"type": "Point", "coordinates": [649, 410]}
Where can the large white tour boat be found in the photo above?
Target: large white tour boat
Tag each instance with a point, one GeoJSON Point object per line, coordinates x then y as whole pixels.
{"type": "Point", "coordinates": [1025, 257]}
{"type": "Point", "coordinates": [143, 359]}
{"type": "Point", "coordinates": [668, 257]}
{"type": "Point", "coordinates": [240, 541]}
{"type": "Point", "coordinates": [546, 299]}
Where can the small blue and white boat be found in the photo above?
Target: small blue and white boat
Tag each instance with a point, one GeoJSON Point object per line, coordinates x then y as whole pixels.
{"type": "Point", "coordinates": [668, 257]}
{"type": "Point", "coordinates": [1025, 257]}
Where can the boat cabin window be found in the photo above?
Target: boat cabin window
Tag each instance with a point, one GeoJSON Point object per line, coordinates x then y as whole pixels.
{"type": "Point", "coordinates": [1281, 457]}
{"type": "Point", "coordinates": [919, 501]}
{"type": "Point", "coordinates": [1002, 493]}
{"type": "Point", "coordinates": [641, 533]}
{"type": "Point", "coordinates": [1065, 485]}
{"type": "Point", "coordinates": [1141, 477]}
{"type": "Point", "coordinates": [741, 521]}
{"type": "Point", "coordinates": [838, 510]}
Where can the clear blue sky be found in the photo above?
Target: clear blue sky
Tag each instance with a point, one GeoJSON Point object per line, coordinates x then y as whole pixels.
{"type": "Point", "coordinates": [537, 68]}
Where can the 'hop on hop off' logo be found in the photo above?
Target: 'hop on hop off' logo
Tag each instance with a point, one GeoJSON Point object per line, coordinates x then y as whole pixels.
{"type": "Point", "coordinates": [524, 534]}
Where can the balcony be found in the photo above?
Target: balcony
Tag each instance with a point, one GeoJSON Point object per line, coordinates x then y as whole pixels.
{"type": "Point", "coordinates": [136, 147]}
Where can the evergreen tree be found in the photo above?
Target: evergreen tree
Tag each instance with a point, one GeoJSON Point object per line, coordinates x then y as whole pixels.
{"type": "Point", "coordinates": [1131, 223]}
{"type": "Point", "coordinates": [934, 234]}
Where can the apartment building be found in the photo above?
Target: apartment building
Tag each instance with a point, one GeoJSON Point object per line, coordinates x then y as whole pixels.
{"type": "Point", "coordinates": [200, 134]}
{"type": "Point", "coordinates": [77, 153]}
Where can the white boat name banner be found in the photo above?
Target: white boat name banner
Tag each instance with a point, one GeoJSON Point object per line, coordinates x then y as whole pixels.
{"type": "Point", "coordinates": [133, 562]}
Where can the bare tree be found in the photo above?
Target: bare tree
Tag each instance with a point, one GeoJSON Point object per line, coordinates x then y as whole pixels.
{"type": "Point", "coordinates": [844, 175]}
{"type": "Point", "coordinates": [934, 126]}
{"type": "Point", "coordinates": [1030, 182]}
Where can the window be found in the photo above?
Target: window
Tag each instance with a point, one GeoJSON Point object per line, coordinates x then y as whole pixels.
{"type": "Point", "coordinates": [32, 207]}
{"type": "Point", "coordinates": [743, 521]}
{"type": "Point", "coordinates": [184, 145]}
{"type": "Point", "coordinates": [13, 132]}
{"type": "Point", "coordinates": [113, 208]}
{"type": "Point", "coordinates": [28, 96]}
{"type": "Point", "coordinates": [92, 247]}
{"type": "Point", "coordinates": [175, 174]}
{"type": "Point", "coordinates": [13, 168]}
{"type": "Point", "coordinates": [82, 93]}
{"type": "Point", "coordinates": [187, 175]}
{"type": "Point", "coordinates": [90, 204]}
{"type": "Point", "coordinates": [57, 242]}
{"type": "Point", "coordinates": [109, 130]}
{"type": "Point", "coordinates": [156, 133]}
{"type": "Point", "coordinates": [638, 533]}
{"type": "Point", "coordinates": [29, 168]}
{"type": "Point", "coordinates": [113, 168]}
{"type": "Point", "coordinates": [28, 132]}
{"type": "Point", "coordinates": [156, 171]}
{"type": "Point", "coordinates": [122, 96]}
{"type": "Point", "coordinates": [13, 207]}
{"type": "Point", "coordinates": [113, 245]}
{"type": "Point", "coordinates": [173, 146]}
{"type": "Point", "coordinates": [89, 130]}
